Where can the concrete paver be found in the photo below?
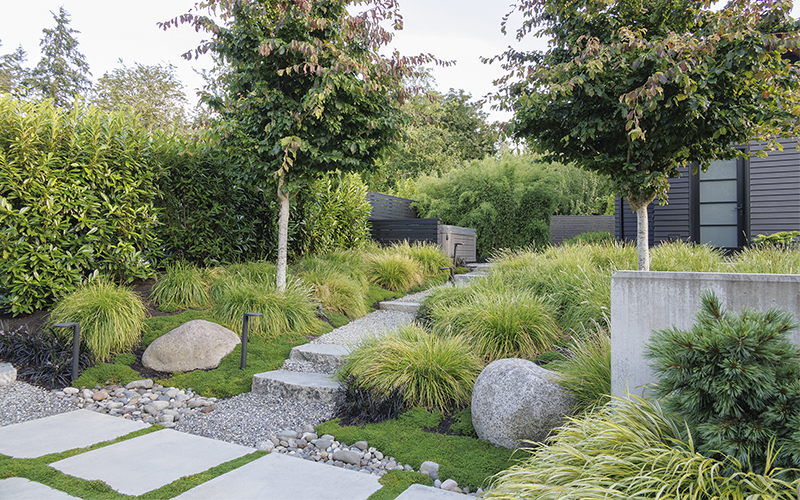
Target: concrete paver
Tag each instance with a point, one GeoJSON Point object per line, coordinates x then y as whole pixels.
{"type": "Point", "coordinates": [148, 462]}
{"type": "Point", "coordinates": [19, 488]}
{"type": "Point", "coordinates": [422, 492]}
{"type": "Point", "coordinates": [278, 476]}
{"type": "Point", "coordinates": [62, 432]}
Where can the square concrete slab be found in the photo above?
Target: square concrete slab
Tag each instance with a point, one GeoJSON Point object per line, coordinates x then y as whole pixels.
{"type": "Point", "coordinates": [151, 461]}
{"type": "Point", "coordinates": [422, 492]}
{"type": "Point", "coordinates": [278, 476]}
{"type": "Point", "coordinates": [62, 432]}
{"type": "Point", "coordinates": [20, 488]}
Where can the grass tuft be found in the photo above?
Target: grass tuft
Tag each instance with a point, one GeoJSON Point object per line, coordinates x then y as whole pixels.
{"type": "Point", "coordinates": [586, 373]}
{"type": "Point", "coordinates": [180, 287]}
{"type": "Point", "coordinates": [111, 317]}
{"type": "Point", "coordinates": [430, 370]}
{"type": "Point", "coordinates": [393, 271]}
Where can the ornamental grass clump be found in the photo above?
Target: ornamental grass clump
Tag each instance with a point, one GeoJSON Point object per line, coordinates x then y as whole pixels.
{"type": "Point", "coordinates": [735, 378]}
{"type": "Point", "coordinates": [632, 449]}
{"type": "Point", "coordinates": [586, 373]}
{"type": "Point", "coordinates": [111, 317]}
{"type": "Point", "coordinates": [431, 371]}
{"type": "Point", "coordinates": [336, 287]}
{"type": "Point", "coordinates": [503, 323]}
{"type": "Point", "coordinates": [291, 310]}
{"type": "Point", "coordinates": [393, 271]}
{"type": "Point", "coordinates": [767, 260]}
{"type": "Point", "coordinates": [430, 256]}
{"type": "Point", "coordinates": [180, 287]}
{"type": "Point", "coordinates": [681, 256]}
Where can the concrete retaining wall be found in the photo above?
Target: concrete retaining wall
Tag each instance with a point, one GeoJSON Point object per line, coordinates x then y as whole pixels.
{"type": "Point", "coordinates": [645, 301]}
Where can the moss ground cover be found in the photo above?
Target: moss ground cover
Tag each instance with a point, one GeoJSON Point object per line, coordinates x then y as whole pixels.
{"type": "Point", "coordinates": [466, 460]}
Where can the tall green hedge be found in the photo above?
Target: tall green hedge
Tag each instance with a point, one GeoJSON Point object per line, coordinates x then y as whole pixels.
{"type": "Point", "coordinates": [76, 197]}
{"type": "Point", "coordinates": [336, 213]}
{"type": "Point", "coordinates": [508, 201]}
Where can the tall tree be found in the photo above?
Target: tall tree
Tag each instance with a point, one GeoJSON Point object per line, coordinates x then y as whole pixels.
{"type": "Point", "coordinates": [62, 73]}
{"type": "Point", "coordinates": [13, 74]}
{"type": "Point", "coordinates": [154, 93]}
{"type": "Point", "coordinates": [638, 89]}
{"type": "Point", "coordinates": [307, 90]}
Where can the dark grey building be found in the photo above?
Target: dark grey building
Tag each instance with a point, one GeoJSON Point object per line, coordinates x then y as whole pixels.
{"type": "Point", "coordinates": [727, 205]}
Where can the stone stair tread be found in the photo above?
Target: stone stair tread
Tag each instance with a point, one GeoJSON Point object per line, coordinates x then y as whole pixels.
{"type": "Point", "coordinates": [394, 305]}
{"type": "Point", "coordinates": [302, 386]}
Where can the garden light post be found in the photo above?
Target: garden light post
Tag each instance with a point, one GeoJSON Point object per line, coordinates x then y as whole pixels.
{"type": "Point", "coordinates": [455, 249]}
{"type": "Point", "coordinates": [452, 278]}
{"type": "Point", "coordinates": [76, 343]}
{"type": "Point", "coordinates": [244, 337]}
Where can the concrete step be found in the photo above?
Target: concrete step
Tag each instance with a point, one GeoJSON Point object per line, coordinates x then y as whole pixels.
{"type": "Point", "coordinates": [327, 357]}
{"type": "Point", "coordinates": [8, 374]}
{"type": "Point", "coordinates": [300, 386]}
{"type": "Point", "coordinates": [396, 305]}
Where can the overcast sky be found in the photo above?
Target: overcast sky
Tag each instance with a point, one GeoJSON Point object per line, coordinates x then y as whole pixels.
{"type": "Point", "coordinates": [460, 30]}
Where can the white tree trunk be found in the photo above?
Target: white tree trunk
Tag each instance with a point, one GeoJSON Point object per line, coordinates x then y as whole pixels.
{"type": "Point", "coordinates": [283, 236]}
{"type": "Point", "coordinates": [642, 233]}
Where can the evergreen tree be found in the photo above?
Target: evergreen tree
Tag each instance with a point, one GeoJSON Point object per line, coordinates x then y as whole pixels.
{"type": "Point", "coordinates": [736, 381]}
{"type": "Point", "coordinates": [62, 72]}
{"type": "Point", "coordinates": [13, 74]}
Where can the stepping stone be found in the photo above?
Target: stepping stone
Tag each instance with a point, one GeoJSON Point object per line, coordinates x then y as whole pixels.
{"type": "Point", "coordinates": [8, 374]}
{"type": "Point", "coordinates": [148, 462]}
{"type": "Point", "coordinates": [301, 386]}
{"type": "Point", "coordinates": [329, 357]}
{"type": "Point", "coordinates": [393, 305]}
{"type": "Point", "coordinates": [20, 488]}
{"type": "Point", "coordinates": [62, 432]}
{"type": "Point", "coordinates": [422, 492]}
{"type": "Point", "coordinates": [287, 478]}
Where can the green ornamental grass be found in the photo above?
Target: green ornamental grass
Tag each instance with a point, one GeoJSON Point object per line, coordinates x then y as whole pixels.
{"type": "Point", "coordinates": [111, 317]}
{"type": "Point", "coordinates": [335, 284]}
{"type": "Point", "coordinates": [291, 310]}
{"type": "Point", "coordinates": [586, 373]}
{"type": "Point", "coordinates": [180, 287]}
{"type": "Point", "coordinates": [393, 271]}
{"type": "Point", "coordinates": [432, 371]}
{"type": "Point", "coordinates": [430, 256]}
{"type": "Point", "coordinates": [632, 449]}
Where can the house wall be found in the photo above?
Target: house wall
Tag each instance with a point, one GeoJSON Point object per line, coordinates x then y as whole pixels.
{"type": "Point", "coordinates": [775, 190]}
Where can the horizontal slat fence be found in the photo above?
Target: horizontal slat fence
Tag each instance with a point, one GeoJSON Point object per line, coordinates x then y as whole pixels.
{"type": "Point", "coordinates": [390, 231]}
{"type": "Point", "coordinates": [385, 206]}
{"type": "Point", "coordinates": [563, 227]}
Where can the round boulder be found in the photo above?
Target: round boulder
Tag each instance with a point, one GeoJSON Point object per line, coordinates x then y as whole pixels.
{"type": "Point", "coordinates": [514, 400]}
{"type": "Point", "coordinates": [195, 345]}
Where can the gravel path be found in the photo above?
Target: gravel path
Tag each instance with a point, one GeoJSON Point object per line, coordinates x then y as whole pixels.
{"type": "Point", "coordinates": [246, 419]}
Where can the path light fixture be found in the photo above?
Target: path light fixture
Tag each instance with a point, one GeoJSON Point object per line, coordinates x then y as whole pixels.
{"type": "Point", "coordinates": [76, 343]}
{"type": "Point", "coordinates": [452, 278]}
{"type": "Point", "coordinates": [245, 318]}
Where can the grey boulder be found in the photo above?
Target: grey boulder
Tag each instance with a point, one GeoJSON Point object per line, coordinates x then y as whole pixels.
{"type": "Point", "coordinates": [195, 345]}
{"type": "Point", "coordinates": [516, 400]}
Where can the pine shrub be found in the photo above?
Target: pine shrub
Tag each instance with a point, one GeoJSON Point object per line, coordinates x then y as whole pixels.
{"type": "Point", "coordinates": [736, 381]}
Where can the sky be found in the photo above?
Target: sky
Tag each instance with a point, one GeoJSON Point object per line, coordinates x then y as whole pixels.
{"type": "Point", "coordinates": [459, 30]}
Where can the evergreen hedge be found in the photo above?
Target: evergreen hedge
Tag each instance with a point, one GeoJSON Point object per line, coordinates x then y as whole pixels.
{"type": "Point", "coordinates": [76, 198]}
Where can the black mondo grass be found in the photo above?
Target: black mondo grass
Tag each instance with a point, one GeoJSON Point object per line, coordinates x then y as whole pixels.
{"type": "Point", "coordinates": [41, 357]}
{"type": "Point", "coordinates": [364, 406]}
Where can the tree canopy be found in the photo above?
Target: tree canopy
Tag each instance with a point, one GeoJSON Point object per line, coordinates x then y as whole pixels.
{"type": "Point", "coordinates": [637, 90]}
{"type": "Point", "coordinates": [62, 73]}
{"type": "Point", "coordinates": [154, 93]}
{"type": "Point", "coordinates": [306, 89]}
{"type": "Point", "coordinates": [13, 74]}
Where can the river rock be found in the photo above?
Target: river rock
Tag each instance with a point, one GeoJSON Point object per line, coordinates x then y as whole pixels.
{"type": "Point", "coordinates": [516, 400]}
{"type": "Point", "coordinates": [195, 345]}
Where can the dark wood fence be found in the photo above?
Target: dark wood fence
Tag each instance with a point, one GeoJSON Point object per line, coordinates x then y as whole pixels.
{"type": "Point", "coordinates": [390, 207]}
{"type": "Point", "coordinates": [388, 231]}
{"type": "Point", "coordinates": [563, 227]}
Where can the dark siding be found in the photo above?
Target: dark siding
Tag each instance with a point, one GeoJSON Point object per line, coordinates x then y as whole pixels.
{"type": "Point", "coordinates": [623, 211]}
{"type": "Point", "coordinates": [671, 221]}
{"type": "Point", "coordinates": [775, 190]}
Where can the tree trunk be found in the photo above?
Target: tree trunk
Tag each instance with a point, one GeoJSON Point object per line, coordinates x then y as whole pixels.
{"type": "Point", "coordinates": [642, 237]}
{"type": "Point", "coordinates": [283, 235]}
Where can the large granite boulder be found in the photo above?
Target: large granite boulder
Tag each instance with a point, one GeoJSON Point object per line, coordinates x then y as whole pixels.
{"type": "Point", "coordinates": [195, 345]}
{"type": "Point", "coordinates": [514, 400]}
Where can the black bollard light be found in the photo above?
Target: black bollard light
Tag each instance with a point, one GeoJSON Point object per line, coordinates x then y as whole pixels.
{"type": "Point", "coordinates": [244, 337]}
{"type": "Point", "coordinates": [452, 278]}
{"type": "Point", "coordinates": [76, 343]}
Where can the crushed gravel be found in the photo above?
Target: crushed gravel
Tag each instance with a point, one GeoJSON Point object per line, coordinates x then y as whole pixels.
{"type": "Point", "coordinates": [20, 402]}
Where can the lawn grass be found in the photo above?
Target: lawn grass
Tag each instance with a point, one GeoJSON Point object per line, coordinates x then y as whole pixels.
{"type": "Point", "coordinates": [470, 462]}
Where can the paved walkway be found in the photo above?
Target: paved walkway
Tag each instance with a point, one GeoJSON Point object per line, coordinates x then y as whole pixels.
{"type": "Point", "coordinates": [148, 462]}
